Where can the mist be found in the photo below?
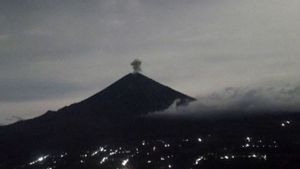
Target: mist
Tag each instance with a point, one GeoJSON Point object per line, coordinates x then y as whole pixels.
{"type": "Point", "coordinates": [240, 101]}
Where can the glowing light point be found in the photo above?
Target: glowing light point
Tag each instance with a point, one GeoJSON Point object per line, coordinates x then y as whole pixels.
{"type": "Point", "coordinates": [198, 160]}
{"type": "Point", "coordinates": [199, 140]}
{"type": "Point", "coordinates": [40, 159]}
{"type": "Point", "coordinates": [103, 160]}
{"type": "Point", "coordinates": [124, 162]}
{"type": "Point", "coordinates": [265, 157]}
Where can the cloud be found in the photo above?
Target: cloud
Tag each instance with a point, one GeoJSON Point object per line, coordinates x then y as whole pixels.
{"type": "Point", "coordinates": [16, 90]}
{"type": "Point", "coordinates": [14, 119]}
{"type": "Point", "coordinates": [241, 101]}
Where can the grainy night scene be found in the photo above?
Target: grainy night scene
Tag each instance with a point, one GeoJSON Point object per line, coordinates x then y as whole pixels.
{"type": "Point", "coordinates": [149, 84]}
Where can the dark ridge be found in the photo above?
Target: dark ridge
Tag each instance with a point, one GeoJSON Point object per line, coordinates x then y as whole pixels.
{"type": "Point", "coordinates": [102, 116]}
{"type": "Point", "coordinates": [134, 94]}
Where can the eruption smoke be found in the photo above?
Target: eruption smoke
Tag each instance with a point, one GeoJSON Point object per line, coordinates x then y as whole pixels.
{"type": "Point", "coordinates": [136, 65]}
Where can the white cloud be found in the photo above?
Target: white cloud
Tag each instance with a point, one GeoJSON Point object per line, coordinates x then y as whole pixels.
{"type": "Point", "coordinates": [241, 101]}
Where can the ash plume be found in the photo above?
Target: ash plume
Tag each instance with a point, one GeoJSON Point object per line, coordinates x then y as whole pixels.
{"type": "Point", "coordinates": [136, 65]}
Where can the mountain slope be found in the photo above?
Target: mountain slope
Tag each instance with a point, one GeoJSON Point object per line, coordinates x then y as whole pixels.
{"type": "Point", "coordinates": [102, 116]}
{"type": "Point", "coordinates": [134, 94]}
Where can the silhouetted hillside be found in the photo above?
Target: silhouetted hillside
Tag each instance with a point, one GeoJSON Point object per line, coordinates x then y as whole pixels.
{"type": "Point", "coordinates": [115, 117]}
{"type": "Point", "coordinates": [103, 115]}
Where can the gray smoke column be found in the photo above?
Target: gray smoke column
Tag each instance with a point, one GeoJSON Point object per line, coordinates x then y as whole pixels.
{"type": "Point", "coordinates": [136, 65]}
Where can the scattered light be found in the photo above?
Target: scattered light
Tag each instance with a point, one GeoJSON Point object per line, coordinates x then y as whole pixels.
{"type": "Point", "coordinates": [113, 153]}
{"type": "Point", "coordinates": [63, 155]}
{"type": "Point", "coordinates": [285, 123]}
{"type": "Point", "coordinates": [198, 160]}
{"type": "Point", "coordinates": [125, 162]}
{"type": "Point", "coordinates": [95, 153]}
{"type": "Point", "coordinates": [102, 149]}
{"type": "Point", "coordinates": [118, 154]}
{"type": "Point", "coordinates": [264, 157]}
{"type": "Point", "coordinates": [40, 159]}
{"type": "Point", "coordinates": [103, 160]}
{"type": "Point", "coordinates": [84, 155]}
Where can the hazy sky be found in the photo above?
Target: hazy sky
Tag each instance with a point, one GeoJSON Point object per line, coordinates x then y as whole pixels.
{"type": "Point", "coordinates": [55, 52]}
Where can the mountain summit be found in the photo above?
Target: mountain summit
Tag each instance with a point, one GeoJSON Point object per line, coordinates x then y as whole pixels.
{"type": "Point", "coordinates": [134, 94]}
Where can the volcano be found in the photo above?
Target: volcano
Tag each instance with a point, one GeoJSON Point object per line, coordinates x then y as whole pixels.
{"type": "Point", "coordinates": [132, 95]}
{"type": "Point", "coordinates": [106, 115]}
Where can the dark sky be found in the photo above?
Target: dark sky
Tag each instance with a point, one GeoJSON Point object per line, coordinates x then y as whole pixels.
{"type": "Point", "coordinates": [55, 52]}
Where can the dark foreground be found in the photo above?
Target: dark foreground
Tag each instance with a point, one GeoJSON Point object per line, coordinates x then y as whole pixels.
{"type": "Point", "coordinates": [269, 142]}
{"type": "Point", "coordinates": [201, 152]}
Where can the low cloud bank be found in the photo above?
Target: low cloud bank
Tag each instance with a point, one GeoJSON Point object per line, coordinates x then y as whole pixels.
{"type": "Point", "coordinates": [242, 100]}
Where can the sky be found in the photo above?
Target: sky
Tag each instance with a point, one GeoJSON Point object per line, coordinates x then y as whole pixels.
{"type": "Point", "coordinates": [56, 52]}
